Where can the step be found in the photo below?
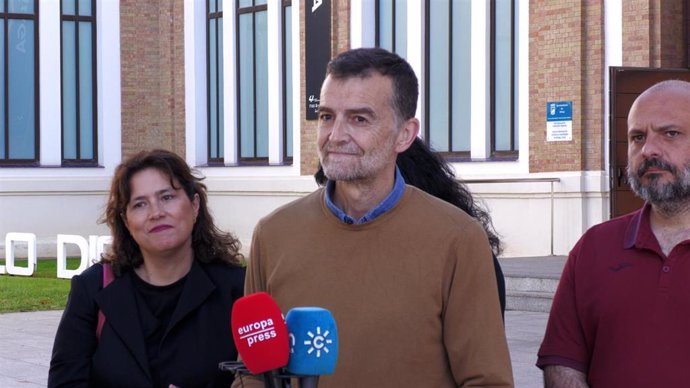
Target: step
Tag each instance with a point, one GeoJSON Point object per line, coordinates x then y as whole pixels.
{"type": "Point", "coordinates": [530, 293]}
{"type": "Point", "coordinates": [526, 293]}
{"type": "Point", "coordinates": [530, 283]}
{"type": "Point", "coordinates": [533, 301]}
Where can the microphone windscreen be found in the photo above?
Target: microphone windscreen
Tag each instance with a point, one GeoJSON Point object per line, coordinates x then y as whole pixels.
{"type": "Point", "coordinates": [260, 333]}
{"type": "Point", "coordinates": [313, 341]}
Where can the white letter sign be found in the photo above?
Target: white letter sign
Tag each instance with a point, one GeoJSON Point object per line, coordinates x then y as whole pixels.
{"type": "Point", "coordinates": [30, 240]}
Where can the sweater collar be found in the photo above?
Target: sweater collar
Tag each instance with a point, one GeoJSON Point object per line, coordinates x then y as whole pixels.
{"type": "Point", "coordinates": [387, 204]}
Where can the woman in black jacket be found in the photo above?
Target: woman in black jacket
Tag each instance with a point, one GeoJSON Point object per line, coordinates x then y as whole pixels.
{"type": "Point", "coordinates": [176, 276]}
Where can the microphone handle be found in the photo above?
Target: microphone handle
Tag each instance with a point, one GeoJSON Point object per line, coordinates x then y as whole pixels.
{"type": "Point", "coordinates": [309, 382]}
{"type": "Point", "coordinates": [269, 381]}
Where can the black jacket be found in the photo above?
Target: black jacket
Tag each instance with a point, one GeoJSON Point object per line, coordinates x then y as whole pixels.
{"type": "Point", "coordinates": [197, 339]}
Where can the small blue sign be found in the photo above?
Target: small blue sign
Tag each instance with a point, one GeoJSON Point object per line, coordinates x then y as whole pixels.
{"type": "Point", "coordinates": [559, 111]}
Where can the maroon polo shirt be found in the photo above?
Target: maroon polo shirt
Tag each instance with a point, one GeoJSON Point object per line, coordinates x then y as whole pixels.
{"type": "Point", "coordinates": [621, 313]}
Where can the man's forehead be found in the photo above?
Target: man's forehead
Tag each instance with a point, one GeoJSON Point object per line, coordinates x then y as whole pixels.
{"type": "Point", "coordinates": [667, 91]}
{"type": "Point", "coordinates": [659, 110]}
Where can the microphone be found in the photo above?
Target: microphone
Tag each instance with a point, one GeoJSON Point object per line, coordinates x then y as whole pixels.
{"type": "Point", "coordinates": [314, 344]}
{"type": "Point", "coordinates": [260, 334]}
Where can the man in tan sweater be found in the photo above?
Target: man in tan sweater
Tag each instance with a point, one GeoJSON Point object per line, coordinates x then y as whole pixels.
{"type": "Point", "coordinates": [409, 278]}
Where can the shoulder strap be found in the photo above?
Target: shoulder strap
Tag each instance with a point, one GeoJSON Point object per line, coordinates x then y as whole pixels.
{"type": "Point", "coordinates": [107, 279]}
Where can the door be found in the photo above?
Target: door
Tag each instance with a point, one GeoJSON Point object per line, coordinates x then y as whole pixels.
{"type": "Point", "coordinates": [626, 84]}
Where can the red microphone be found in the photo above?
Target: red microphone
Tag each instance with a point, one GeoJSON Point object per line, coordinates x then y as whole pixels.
{"type": "Point", "coordinates": [260, 333]}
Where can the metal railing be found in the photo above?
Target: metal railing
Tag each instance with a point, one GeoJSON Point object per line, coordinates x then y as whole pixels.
{"type": "Point", "coordinates": [551, 181]}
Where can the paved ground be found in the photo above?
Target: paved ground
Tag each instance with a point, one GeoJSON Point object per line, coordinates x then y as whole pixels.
{"type": "Point", "coordinates": [525, 330]}
{"type": "Point", "coordinates": [26, 340]}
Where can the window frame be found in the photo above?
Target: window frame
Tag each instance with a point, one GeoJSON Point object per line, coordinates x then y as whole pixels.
{"type": "Point", "coordinates": [287, 94]}
{"type": "Point", "coordinates": [452, 156]}
{"type": "Point", "coordinates": [76, 18]}
{"type": "Point", "coordinates": [397, 46]}
{"type": "Point", "coordinates": [219, 160]}
{"type": "Point", "coordinates": [377, 29]}
{"type": "Point", "coordinates": [196, 116]}
{"type": "Point", "coordinates": [253, 10]}
{"type": "Point", "coordinates": [6, 16]}
{"type": "Point", "coordinates": [479, 161]}
{"type": "Point", "coordinates": [513, 153]}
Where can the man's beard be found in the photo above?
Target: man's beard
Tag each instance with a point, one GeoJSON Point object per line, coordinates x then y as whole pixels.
{"type": "Point", "coordinates": [669, 197]}
{"type": "Point", "coordinates": [363, 167]}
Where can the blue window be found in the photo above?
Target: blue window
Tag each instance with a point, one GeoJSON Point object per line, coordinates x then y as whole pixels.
{"type": "Point", "coordinates": [504, 133]}
{"type": "Point", "coordinates": [287, 79]}
{"type": "Point", "coordinates": [252, 80]}
{"type": "Point", "coordinates": [391, 28]}
{"type": "Point", "coordinates": [448, 76]}
{"type": "Point", "coordinates": [79, 128]}
{"type": "Point", "coordinates": [19, 128]}
{"type": "Point", "coordinates": [214, 20]}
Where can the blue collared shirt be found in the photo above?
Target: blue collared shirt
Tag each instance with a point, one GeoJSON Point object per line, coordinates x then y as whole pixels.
{"type": "Point", "coordinates": [387, 204]}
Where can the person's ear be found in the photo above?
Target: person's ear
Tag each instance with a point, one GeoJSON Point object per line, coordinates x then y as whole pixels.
{"type": "Point", "coordinates": [195, 205]}
{"type": "Point", "coordinates": [408, 132]}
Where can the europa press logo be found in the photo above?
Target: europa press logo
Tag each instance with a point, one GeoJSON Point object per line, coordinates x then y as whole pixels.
{"type": "Point", "coordinates": [259, 331]}
{"type": "Point", "coordinates": [313, 341]}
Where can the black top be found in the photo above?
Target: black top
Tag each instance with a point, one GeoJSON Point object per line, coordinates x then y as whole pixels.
{"type": "Point", "coordinates": [155, 305]}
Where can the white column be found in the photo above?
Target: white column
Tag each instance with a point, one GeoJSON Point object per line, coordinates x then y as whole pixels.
{"type": "Point", "coordinates": [275, 82]}
{"type": "Point", "coordinates": [48, 52]}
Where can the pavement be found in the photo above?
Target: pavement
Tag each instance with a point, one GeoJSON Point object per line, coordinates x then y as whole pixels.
{"type": "Point", "coordinates": [26, 339]}
{"type": "Point", "coordinates": [524, 330]}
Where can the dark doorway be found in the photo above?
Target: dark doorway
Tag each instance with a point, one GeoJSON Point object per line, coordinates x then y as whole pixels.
{"type": "Point", "coordinates": [626, 84]}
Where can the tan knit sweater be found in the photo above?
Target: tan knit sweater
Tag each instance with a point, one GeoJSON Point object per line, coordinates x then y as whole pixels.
{"type": "Point", "coordinates": [413, 292]}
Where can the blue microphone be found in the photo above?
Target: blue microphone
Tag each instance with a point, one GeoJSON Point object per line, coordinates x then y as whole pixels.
{"type": "Point", "coordinates": [313, 343]}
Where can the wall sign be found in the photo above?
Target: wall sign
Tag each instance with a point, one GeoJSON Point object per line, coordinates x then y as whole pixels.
{"type": "Point", "coordinates": [317, 48]}
{"type": "Point", "coordinates": [559, 121]}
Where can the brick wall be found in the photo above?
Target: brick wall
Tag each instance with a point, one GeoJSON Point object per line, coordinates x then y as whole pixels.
{"type": "Point", "coordinates": [566, 64]}
{"type": "Point", "coordinates": [593, 86]}
{"type": "Point", "coordinates": [340, 41]}
{"type": "Point", "coordinates": [671, 34]}
{"type": "Point", "coordinates": [654, 33]}
{"type": "Point", "coordinates": [340, 31]}
{"type": "Point", "coordinates": [636, 34]}
{"type": "Point", "coordinates": [309, 159]}
{"type": "Point", "coordinates": [152, 66]}
{"type": "Point", "coordinates": [555, 37]}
